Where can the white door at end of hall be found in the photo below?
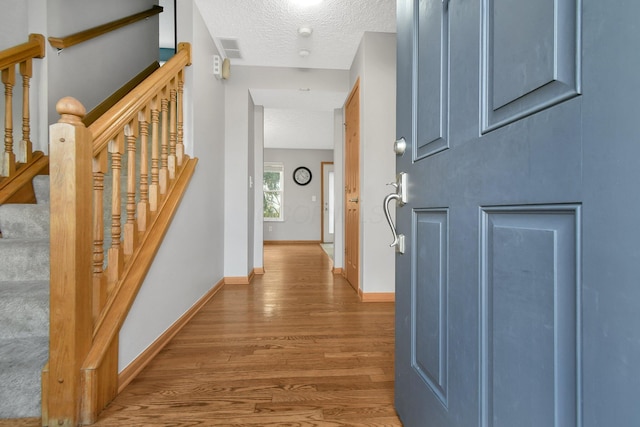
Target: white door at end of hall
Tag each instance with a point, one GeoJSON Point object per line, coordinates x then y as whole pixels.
{"type": "Point", "coordinates": [328, 202]}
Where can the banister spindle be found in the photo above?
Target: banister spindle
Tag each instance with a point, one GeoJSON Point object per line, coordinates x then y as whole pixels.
{"type": "Point", "coordinates": [130, 227]}
{"type": "Point", "coordinates": [172, 130]}
{"type": "Point", "coordinates": [180, 144]}
{"type": "Point", "coordinates": [8, 166]}
{"type": "Point", "coordinates": [164, 150]}
{"type": "Point", "coordinates": [115, 256]}
{"type": "Point", "coordinates": [143, 205]}
{"type": "Point", "coordinates": [99, 285]}
{"type": "Point", "coordinates": [154, 187]}
{"type": "Point", "coordinates": [26, 147]}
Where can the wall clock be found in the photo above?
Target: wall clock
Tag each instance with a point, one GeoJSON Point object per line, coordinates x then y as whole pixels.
{"type": "Point", "coordinates": [302, 175]}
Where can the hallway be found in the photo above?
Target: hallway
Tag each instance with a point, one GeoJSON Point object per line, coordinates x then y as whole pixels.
{"type": "Point", "coordinates": [296, 347]}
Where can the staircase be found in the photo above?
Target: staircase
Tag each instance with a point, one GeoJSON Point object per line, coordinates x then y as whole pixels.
{"type": "Point", "coordinates": [24, 302]}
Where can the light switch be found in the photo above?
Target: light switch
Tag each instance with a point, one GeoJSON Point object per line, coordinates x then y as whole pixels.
{"type": "Point", "coordinates": [313, 198]}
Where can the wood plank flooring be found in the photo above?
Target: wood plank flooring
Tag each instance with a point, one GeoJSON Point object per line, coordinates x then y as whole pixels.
{"type": "Point", "coordinates": [294, 348]}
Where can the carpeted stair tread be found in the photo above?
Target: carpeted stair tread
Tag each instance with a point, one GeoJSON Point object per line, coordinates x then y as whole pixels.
{"type": "Point", "coordinates": [41, 188]}
{"type": "Point", "coordinates": [24, 221]}
{"type": "Point", "coordinates": [24, 259]}
{"type": "Point", "coordinates": [24, 309]}
{"type": "Point", "coordinates": [21, 362]}
{"type": "Point", "coordinates": [24, 303]}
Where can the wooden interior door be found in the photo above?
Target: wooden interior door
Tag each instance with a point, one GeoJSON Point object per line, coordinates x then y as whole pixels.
{"type": "Point", "coordinates": [352, 187]}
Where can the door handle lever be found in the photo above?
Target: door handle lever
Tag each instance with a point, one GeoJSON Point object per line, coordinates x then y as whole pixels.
{"type": "Point", "coordinates": [398, 239]}
{"type": "Point", "coordinates": [400, 196]}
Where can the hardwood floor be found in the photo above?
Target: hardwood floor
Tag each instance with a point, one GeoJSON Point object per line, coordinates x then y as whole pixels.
{"type": "Point", "coordinates": [294, 348]}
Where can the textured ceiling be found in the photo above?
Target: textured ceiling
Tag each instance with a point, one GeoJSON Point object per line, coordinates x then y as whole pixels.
{"type": "Point", "coordinates": [266, 32]}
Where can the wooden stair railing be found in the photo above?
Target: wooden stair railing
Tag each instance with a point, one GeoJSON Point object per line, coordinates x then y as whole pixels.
{"type": "Point", "coordinates": [83, 36]}
{"type": "Point", "coordinates": [136, 148]}
{"type": "Point", "coordinates": [20, 57]}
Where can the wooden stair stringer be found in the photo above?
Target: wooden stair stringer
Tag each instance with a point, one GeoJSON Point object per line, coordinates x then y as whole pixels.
{"type": "Point", "coordinates": [15, 189]}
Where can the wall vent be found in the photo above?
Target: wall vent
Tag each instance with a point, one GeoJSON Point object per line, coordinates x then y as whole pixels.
{"type": "Point", "coordinates": [231, 48]}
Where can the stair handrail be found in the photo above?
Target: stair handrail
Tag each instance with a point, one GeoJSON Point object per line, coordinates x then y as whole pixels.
{"type": "Point", "coordinates": [89, 302]}
{"type": "Point", "coordinates": [104, 128]}
{"type": "Point", "coordinates": [83, 36]}
{"type": "Point", "coordinates": [34, 48]}
{"type": "Point", "coordinates": [20, 56]}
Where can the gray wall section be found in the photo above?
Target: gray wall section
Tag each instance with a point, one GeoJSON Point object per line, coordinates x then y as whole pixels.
{"type": "Point", "coordinates": [190, 260]}
{"type": "Point", "coordinates": [301, 213]}
{"type": "Point", "coordinates": [93, 70]}
{"type": "Point", "coordinates": [338, 168]}
{"type": "Point", "coordinates": [258, 149]}
{"type": "Point", "coordinates": [13, 23]}
{"type": "Point", "coordinates": [375, 65]}
{"type": "Point", "coordinates": [250, 184]}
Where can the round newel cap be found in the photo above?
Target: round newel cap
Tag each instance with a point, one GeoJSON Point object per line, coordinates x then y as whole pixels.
{"type": "Point", "coordinates": [70, 110]}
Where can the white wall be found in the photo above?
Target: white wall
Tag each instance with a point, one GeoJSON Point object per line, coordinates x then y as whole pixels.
{"type": "Point", "coordinates": [375, 65]}
{"type": "Point", "coordinates": [242, 80]}
{"type": "Point", "coordinates": [302, 214]}
{"type": "Point", "coordinates": [190, 260]}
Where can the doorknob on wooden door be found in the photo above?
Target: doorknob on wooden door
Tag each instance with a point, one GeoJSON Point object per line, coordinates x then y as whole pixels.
{"type": "Point", "coordinates": [354, 200]}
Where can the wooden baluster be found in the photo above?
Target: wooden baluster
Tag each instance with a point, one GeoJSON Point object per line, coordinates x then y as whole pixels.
{"type": "Point", "coordinates": [164, 152]}
{"type": "Point", "coordinates": [131, 227]}
{"type": "Point", "coordinates": [172, 130]}
{"type": "Point", "coordinates": [143, 205]}
{"type": "Point", "coordinates": [180, 145]}
{"type": "Point", "coordinates": [8, 166]}
{"type": "Point", "coordinates": [26, 147]}
{"type": "Point", "coordinates": [154, 187]}
{"type": "Point", "coordinates": [99, 285]}
{"type": "Point", "coordinates": [115, 256]}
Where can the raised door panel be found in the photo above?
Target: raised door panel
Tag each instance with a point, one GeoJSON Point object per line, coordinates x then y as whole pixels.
{"type": "Point", "coordinates": [432, 105]}
{"type": "Point", "coordinates": [429, 291]}
{"type": "Point", "coordinates": [530, 57]}
{"type": "Point", "coordinates": [530, 307]}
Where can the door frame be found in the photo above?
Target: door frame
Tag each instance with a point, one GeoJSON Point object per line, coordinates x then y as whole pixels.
{"type": "Point", "coordinates": [352, 181]}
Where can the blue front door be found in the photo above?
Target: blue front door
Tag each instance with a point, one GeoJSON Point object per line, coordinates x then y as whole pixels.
{"type": "Point", "coordinates": [518, 295]}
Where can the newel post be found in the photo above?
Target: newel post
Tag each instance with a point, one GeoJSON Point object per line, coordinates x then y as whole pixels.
{"type": "Point", "coordinates": [71, 326]}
